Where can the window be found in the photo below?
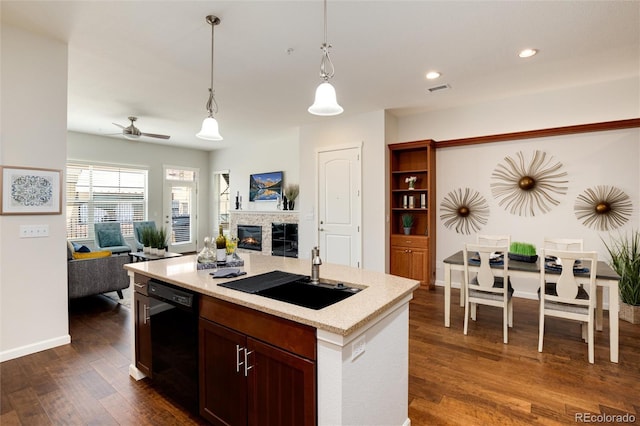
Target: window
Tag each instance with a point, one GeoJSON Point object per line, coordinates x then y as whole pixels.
{"type": "Point", "coordinates": [99, 193]}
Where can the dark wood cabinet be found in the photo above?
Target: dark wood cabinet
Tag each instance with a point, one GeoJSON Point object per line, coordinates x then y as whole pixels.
{"type": "Point", "coordinates": [412, 255]}
{"type": "Point", "coordinates": [142, 325]}
{"type": "Point", "coordinates": [255, 369]}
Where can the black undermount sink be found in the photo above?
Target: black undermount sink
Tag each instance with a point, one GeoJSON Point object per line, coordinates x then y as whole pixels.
{"type": "Point", "coordinates": [293, 288]}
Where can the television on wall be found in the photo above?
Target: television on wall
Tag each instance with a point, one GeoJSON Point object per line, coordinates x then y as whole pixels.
{"type": "Point", "coordinates": [265, 186]}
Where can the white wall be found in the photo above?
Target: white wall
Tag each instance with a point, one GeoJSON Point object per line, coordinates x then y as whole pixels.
{"type": "Point", "coordinates": [368, 130]}
{"type": "Point", "coordinates": [106, 150]}
{"type": "Point", "coordinates": [590, 159]}
{"type": "Point", "coordinates": [274, 153]}
{"type": "Point", "coordinates": [33, 271]}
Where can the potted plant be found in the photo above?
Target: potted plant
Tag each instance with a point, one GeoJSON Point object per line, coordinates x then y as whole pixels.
{"type": "Point", "coordinates": [407, 223]}
{"type": "Point", "coordinates": [291, 191]}
{"type": "Point", "coordinates": [161, 241]}
{"type": "Point", "coordinates": [146, 235]}
{"type": "Point", "coordinates": [625, 260]}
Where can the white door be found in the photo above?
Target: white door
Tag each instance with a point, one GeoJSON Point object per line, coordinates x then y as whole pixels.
{"type": "Point", "coordinates": [180, 214]}
{"type": "Point", "coordinates": [339, 206]}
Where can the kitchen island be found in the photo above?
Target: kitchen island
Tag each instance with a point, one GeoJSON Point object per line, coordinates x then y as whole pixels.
{"type": "Point", "coordinates": [361, 343]}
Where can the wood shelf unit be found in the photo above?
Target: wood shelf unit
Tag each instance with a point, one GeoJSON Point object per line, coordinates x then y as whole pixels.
{"type": "Point", "coordinates": [413, 255]}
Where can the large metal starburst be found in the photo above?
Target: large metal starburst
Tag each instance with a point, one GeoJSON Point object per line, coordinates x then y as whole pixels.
{"type": "Point", "coordinates": [525, 187]}
{"type": "Point", "coordinates": [603, 207]}
{"type": "Point", "coordinates": [464, 209]}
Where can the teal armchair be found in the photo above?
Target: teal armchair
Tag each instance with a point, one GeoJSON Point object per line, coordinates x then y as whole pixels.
{"type": "Point", "coordinates": [108, 236]}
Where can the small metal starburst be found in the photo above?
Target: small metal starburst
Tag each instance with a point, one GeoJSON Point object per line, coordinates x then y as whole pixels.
{"type": "Point", "coordinates": [526, 187]}
{"type": "Point", "coordinates": [464, 209]}
{"type": "Point", "coordinates": [603, 208]}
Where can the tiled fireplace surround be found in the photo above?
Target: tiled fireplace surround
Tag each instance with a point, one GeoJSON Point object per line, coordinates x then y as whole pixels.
{"type": "Point", "coordinates": [263, 219]}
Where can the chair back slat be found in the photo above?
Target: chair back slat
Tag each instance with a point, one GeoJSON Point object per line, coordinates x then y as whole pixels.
{"type": "Point", "coordinates": [486, 275]}
{"type": "Point", "coordinates": [567, 285]}
{"type": "Point", "coordinates": [574, 244]}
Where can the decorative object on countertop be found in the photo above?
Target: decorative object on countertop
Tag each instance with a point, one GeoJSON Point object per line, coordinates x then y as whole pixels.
{"type": "Point", "coordinates": [625, 260]}
{"type": "Point", "coordinates": [467, 211]}
{"type": "Point", "coordinates": [603, 208]}
{"type": "Point", "coordinates": [238, 200]}
{"type": "Point", "coordinates": [206, 256]}
{"type": "Point", "coordinates": [523, 252]}
{"type": "Point", "coordinates": [527, 187]}
{"type": "Point", "coordinates": [221, 246]}
{"type": "Point", "coordinates": [407, 223]}
{"type": "Point", "coordinates": [291, 191]}
{"type": "Point", "coordinates": [411, 180]}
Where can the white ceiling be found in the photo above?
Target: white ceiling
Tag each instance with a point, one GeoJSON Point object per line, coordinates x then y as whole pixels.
{"type": "Point", "coordinates": [152, 59]}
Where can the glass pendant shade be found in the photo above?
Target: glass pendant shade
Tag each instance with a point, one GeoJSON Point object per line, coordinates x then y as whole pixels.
{"type": "Point", "coordinates": [209, 130]}
{"type": "Point", "coordinates": [325, 102]}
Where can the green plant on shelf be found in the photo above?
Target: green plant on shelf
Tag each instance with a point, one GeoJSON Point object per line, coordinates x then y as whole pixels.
{"type": "Point", "coordinates": [407, 220]}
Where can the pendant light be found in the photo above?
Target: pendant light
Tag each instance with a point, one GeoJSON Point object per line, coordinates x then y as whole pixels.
{"type": "Point", "coordinates": [325, 102]}
{"type": "Point", "coordinates": [209, 129]}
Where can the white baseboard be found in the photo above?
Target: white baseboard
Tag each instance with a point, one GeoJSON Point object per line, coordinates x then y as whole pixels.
{"type": "Point", "coordinates": [34, 347]}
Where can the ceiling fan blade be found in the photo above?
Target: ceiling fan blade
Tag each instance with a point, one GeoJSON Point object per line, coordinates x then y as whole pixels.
{"type": "Point", "coordinates": [153, 135]}
{"type": "Point", "coordinates": [119, 125]}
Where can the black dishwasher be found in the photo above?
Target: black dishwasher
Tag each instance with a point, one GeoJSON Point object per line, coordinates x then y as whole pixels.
{"type": "Point", "coordinates": [173, 315]}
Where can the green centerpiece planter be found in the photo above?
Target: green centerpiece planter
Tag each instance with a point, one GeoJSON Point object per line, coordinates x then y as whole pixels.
{"type": "Point", "coordinates": [523, 252]}
{"type": "Point", "coordinates": [625, 260]}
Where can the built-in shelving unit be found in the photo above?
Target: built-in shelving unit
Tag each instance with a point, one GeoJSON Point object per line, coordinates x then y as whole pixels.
{"type": "Point", "coordinates": [413, 255]}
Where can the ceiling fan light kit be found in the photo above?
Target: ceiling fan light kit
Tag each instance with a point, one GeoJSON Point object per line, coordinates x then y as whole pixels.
{"type": "Point", "coordinates": [325, 102]}
{"type": "Point", "coordinates": [210, 130]}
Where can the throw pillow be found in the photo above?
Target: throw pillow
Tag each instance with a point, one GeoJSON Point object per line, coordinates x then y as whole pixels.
{"type": "Point", "coordinates": [110, 238]}
{"type": "Point", "coordinates": [92, 255]}
{"type": "Point", "coordinates": [80, 248]}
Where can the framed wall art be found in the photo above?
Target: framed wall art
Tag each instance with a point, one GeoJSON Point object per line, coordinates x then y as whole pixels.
{"type": "Point", "coordinates": [265, 186]}
{"type": "Point", "coordinates": [28, 190]}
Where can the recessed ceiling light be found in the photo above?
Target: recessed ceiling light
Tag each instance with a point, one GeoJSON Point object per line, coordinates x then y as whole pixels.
{"type": "Point", "coordinates": [431, 75]}
{"type": "Point", "coordinates": [527, 53]}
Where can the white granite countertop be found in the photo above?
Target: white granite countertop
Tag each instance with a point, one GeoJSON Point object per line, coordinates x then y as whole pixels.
{"type": "Point", "coordinates": [381, 291]}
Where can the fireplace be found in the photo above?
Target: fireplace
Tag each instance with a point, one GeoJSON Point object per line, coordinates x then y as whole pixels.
{"type": "Point", "coordinates": [250, 237]}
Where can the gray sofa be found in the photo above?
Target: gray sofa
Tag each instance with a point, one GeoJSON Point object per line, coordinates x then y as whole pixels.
{"type": "Point", "coordinates": [87, 277]}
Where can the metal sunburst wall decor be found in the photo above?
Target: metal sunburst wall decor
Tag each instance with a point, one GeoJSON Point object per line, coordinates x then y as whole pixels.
{"type": "Point", "coordinates": [464, 209]}
{"type": "Point", "coordinates": [603, 208]}
{"type": "Point", "coordinates": [526, 187]}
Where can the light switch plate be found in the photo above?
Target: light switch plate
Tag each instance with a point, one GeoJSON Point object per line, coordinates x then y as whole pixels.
{"type": "Point", "coordinates": [34, 231]}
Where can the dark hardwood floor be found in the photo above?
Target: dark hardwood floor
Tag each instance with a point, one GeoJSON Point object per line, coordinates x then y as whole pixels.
{"type": "Point", "coordinates": [453, 379]}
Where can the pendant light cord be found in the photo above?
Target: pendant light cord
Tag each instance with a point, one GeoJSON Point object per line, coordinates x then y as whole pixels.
{"type": "Point", "coordinates": [212, 106]}
{"type": "Point", "coordinates": [326, 66]}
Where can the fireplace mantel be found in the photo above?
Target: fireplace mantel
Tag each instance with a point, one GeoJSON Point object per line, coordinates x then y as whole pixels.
{"type": "Point", "coordinates": [261, 218]}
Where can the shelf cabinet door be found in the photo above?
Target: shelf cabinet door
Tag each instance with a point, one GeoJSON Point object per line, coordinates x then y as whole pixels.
{"type": "Point", "coordinates": [400, 261]}
{"type": "Point", "coordinates": [282, 387]}
{"type": "Point", "coordinates": [223, 386]}
{"type": "Point", "coordinates": [418, 265]}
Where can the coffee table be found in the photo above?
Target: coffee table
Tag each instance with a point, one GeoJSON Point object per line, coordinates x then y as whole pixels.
{"type": "Point", "coordinates": [140, 256]}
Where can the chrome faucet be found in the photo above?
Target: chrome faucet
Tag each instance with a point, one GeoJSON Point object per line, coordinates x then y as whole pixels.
{"type": "Point", "coordinates": [315, 265]}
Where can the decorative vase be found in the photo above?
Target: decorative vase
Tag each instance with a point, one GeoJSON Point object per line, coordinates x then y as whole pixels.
{"type": "Point", "coordinates": [146, 249]}
{"type": "Point", "coordinates": [407, 231]}
{"type": "Point", "coordinates": [153, 251]}
{"type": "Point", "coordinates": [161, 252]}
{"type": "Point", "coordinates": [291, 204]}
{"type": "Point", "coordinates": [629, 313]}
{"type": "Point", "coordinates": [411, 186]}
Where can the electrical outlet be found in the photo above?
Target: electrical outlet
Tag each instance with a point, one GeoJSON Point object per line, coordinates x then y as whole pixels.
{"type": "Point", "coordinates": [358, 347]}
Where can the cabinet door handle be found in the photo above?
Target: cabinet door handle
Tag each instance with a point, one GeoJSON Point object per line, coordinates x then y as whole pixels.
{"type": "Point", "coordinates": [247, 367]}
{"type": "Point", "coordinates": [146, 313]}
{"type": "Point", "coordinates": [138, 285]}
{"type": "Point", "coordinates": [238, 361]}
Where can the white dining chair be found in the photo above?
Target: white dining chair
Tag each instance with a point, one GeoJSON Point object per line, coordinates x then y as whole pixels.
{"type": "Point", "coordinates": [488, 286]}
{"type": "Point", "coordinates": [575, 244]}
{"type": "Point", "coordinates": [489, 240]}
{"type": "Point", "coordinates": [563, 294]}
{"type": "Point", "coordinates": [494, 240]}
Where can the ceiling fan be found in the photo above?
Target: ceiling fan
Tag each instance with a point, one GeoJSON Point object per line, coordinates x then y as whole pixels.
{"type": "Point", "coordinates": [132, 132]}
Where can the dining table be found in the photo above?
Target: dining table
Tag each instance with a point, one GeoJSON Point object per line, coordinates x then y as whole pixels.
{"type": "Point", "coordinates": [606, 277]}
